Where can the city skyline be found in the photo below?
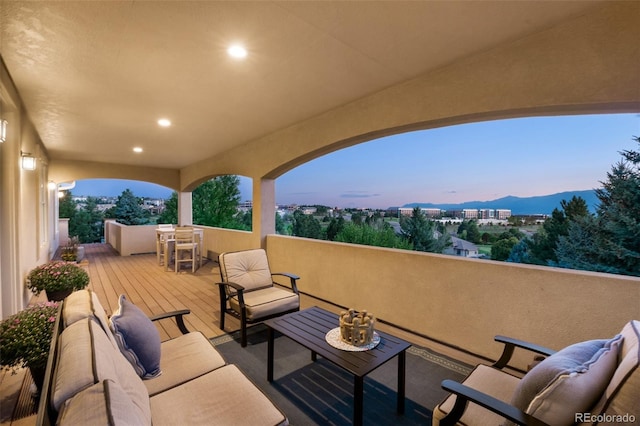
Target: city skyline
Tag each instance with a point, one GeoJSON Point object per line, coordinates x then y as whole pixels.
{"type": "Point", "coordinates": [482, 161]}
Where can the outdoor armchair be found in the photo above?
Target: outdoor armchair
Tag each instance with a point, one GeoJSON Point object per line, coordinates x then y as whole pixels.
{"type": "Point", "coordinates": [587, 382]}
{"type": "Point", "coordinates": [248, 292]}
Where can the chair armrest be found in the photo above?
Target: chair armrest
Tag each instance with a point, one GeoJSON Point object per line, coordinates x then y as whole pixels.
{"type": "Point", "coordinates": [237, 287]}
{"type": "Point", "coordinates": [465, 394]}
{"type": "Point", "coordinates": [510, 345]}
{"type": "Point", "coordinates": [178, 315]}
{"type": "Point", "coordinates": [291, 277]}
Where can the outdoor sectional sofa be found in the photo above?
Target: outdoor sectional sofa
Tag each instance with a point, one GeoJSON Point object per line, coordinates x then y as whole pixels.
{"type": "Point", "coordinates": [92, 379]}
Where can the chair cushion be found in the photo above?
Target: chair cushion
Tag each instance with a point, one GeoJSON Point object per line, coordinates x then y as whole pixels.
{"type": "Point", "coordinates": [568, 382]}
{"type": "Point", "coordinates": [248, 268]}
{"type": "Point", "coordinates": [224, 396]}
{"type": "Point", "coordinates": [108, 403]}
{"type": "Point", "coordinates": [487, 380]}
{"type": "Point", "coordinates": [137, 337]}
{"type": "Point", "coordinates": [266, 301]}
{"type": "Point", "coordinates": [184, 358]}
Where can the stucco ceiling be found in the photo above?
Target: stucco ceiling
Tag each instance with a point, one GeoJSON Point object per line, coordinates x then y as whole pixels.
{"type": "Point", "coordinates": [96, 76]}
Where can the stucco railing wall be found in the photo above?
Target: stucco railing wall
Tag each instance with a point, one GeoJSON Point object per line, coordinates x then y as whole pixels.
{"type": "Point", "coordinates": [128, 240]}
{"type": "Point", "coordinates": [219, 240]}
{"type": "Point", "coordinates": [461, 302]}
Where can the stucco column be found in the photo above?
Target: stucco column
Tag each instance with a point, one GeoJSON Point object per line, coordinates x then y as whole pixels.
{"type": "Point", "coordinates": [185, 208]}
{"type": "Point", "coordinates": [264, 209]}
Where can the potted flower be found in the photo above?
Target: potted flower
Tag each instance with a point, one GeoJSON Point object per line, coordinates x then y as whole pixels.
{"type": "Point", "coordinates": [57, 278]}
{"type": "Point", "coordinates": [70, 250]}
{"type": "Point", "coordinates": [25, 339]}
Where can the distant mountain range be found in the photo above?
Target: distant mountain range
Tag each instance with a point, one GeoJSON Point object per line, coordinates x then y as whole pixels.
{"type": "Point", "coordinates": [543, 204]}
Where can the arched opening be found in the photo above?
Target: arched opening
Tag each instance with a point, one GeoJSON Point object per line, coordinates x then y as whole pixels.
{"type": "Point", "coordinates": [484, 185]}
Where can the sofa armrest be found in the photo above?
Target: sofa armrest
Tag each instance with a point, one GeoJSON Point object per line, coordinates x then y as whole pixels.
{"type": "Point", "coordinates": [509, 346]}
{"type": "Point", "coordinates": [46, 414]}
{"type": "Point", "coordinates": [465, 395]}
{"type": "Point", "coordinates": [178, 315]}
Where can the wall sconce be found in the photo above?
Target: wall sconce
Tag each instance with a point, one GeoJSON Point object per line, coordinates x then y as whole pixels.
{"type": "Point", "coordinates": [28, 161]}
{"type": "Point", "coordinates": [3, 130]}
{"type": "Point", "coordinates": [52, 185]}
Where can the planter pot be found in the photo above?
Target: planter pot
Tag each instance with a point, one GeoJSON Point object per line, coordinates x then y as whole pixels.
{"type": "Point", "coordinates": [56, 296]}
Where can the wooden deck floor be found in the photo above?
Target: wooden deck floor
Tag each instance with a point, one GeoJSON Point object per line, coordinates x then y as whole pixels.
{"type": "Point", "coordinates": [155, 290]}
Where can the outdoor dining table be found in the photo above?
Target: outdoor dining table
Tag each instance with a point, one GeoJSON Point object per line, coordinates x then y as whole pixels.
{"type": "Point", "coordinates": [165, 238]}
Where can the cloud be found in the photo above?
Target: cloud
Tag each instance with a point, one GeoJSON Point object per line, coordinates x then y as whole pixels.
{"type": "Point", "coordinates": [358, 194]}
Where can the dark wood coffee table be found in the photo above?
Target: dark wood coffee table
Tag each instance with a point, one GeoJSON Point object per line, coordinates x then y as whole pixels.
{"type": "Point", "coordinates": [309, 327]}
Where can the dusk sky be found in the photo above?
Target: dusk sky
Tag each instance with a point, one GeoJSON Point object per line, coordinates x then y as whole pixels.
{"type": "Point", "coordinates": [471, 162]}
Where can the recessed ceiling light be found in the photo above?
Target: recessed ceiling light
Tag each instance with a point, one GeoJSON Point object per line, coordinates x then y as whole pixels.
{"type": "Point", "coordinates": [137, 149]}
{"type": "Point", "coordinates": [164, 122]}
{"type": "Point", "coordinates": [237, 51]}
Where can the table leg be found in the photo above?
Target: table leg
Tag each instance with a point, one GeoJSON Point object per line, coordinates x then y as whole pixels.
{"type": "Point", "coordinates": [402, 359]}
{"type": "Point", "coordinates": [271, 342]}
{"type": "Point", "coordinates": [314, 356]}
{"type": "Point", "coordinates": [358, 398]}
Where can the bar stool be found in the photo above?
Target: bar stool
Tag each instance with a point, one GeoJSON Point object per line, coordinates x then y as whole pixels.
{"type": "Point", "coordinates": [184, 242]}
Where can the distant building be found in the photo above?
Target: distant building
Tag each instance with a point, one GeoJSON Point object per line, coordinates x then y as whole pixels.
{"type": "Point", "coordinates": [503, 214]}
{"type": "Point", "coordinates": [429, 212]}
{"type": "Point", "coordinates": [460, 247]}
{"type": "Point", "coordinates": [486, 214]}
{"type": "Point", "coordinates": [245, 206]}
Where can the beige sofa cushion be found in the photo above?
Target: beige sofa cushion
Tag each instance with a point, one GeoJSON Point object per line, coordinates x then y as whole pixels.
{"type": "Point", "coordinates": [87, 357]}
{"type": "Point", "coordinates": [222, 397]}
{"type": "Point", "coordinates": [184, 358]}
{"type": "Point", "coordinates": [85, 304]}
{"type": "Point", "coordinates": [622, 395]}
{"type": "Point", "coordinates": [485, 379]}
{"type": "Point", "coordinates": [103, 403]}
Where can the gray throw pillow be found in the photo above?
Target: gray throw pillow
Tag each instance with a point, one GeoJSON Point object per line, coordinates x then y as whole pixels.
{"type": "Point", "coordinates": [568, 382]}
{"type": "Point", "coordinates": [137, 337]}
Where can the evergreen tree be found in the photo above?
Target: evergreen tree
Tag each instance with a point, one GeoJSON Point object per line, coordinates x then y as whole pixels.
{"type": "Point", "coordinates": [170, 213]}
{"type": "Point", "coordinates": [246, 220]}
{"type": "Point", "coordinates": [420, 232]}
{"type": "Point", "coordinates": [541, 248]}
{"type": "Point", "coordinates": [128, 210]}
{"type": "Point", "coordinates": [357, 217]}
{"type": "Point", "coordinates": [468, 230]}
{"type": "Point", "coordinates": [88, 223]}
{"type": "Point", "coordinates": [305, 225]}
{"type": "Point", "coordinates": [335, 226]}
{"type": "Point", "coordinates": [66, 206]}
{"type": "Point", "coordinates": [609, 242]}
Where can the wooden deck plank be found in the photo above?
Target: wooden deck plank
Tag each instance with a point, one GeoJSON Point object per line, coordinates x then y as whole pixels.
{"type": "Point", "coordinates": [155, 290]}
